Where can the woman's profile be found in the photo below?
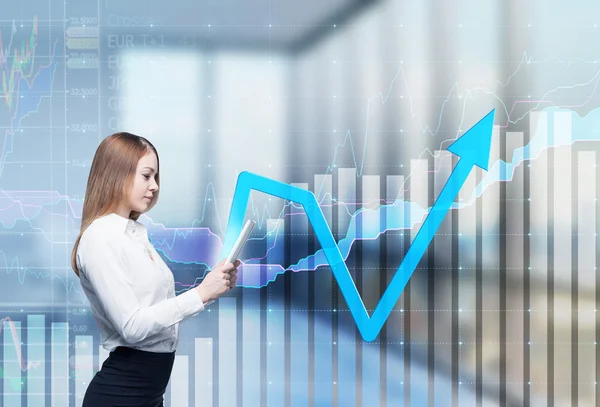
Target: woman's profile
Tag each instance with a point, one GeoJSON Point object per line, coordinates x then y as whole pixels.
{"type": "Point", "coordinates": [130, 288]}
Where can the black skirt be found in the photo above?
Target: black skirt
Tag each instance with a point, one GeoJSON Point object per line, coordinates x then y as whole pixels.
{"type": "Point", "coordinates": [130, 377]}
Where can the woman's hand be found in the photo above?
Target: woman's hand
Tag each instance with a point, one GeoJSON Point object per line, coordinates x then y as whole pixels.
{"type": "Point", "coordinates": [218, 281]}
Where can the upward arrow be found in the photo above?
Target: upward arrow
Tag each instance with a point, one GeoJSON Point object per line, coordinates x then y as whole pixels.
{"type": "Point", "coordinates": [473, 148]}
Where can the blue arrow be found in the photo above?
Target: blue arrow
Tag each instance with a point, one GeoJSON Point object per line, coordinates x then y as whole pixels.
{"type": "Point", "coordinates": [473, 148]}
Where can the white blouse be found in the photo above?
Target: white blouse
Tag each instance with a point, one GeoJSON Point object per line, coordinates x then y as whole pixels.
{"type": "Point", "coordinates": [130, 288]}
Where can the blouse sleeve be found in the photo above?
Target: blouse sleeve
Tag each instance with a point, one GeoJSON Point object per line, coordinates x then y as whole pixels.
{"type": "Point", "coordinates": [105, 265]}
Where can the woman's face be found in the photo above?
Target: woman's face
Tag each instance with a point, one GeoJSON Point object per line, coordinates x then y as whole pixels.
{"type": "Point", "coordinates": [144, 187]}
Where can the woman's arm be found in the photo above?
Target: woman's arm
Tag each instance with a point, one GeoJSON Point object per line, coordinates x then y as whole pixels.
{"type": "Point", "coordinates": [105, 265]}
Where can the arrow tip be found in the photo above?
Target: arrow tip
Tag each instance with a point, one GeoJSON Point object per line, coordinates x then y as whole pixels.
{"type": "Point", "coordinates": [474, 145]}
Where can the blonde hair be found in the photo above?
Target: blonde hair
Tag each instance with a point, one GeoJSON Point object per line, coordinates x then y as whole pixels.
{"type": "Point", "coordinates": [111, 178]}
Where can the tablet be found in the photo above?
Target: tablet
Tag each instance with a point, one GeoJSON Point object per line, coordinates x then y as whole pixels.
{"type": "Point", "coordinates": [239, 245]}
{"type": "Point", "coordinates": [241, 241]}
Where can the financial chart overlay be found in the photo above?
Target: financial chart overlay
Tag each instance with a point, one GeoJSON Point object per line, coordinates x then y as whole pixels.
{"type": "Point", "coordinates": [426, 214]}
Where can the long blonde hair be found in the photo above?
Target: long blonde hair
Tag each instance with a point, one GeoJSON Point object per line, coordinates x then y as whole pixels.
{"type": "Point", "coordinates": [111, 178]}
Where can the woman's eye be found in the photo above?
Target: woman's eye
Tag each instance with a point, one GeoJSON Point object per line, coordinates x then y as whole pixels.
{"type": "Point", "coordinates": [147, 177]}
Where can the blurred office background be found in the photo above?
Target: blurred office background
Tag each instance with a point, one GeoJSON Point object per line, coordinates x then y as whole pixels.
{"type": "Point", "coordinates": [356, 101]}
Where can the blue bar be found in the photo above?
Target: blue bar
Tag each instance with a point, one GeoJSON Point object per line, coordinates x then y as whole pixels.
{"type": "Point", "coordinates": [251, 343]}
{"type": "Point", "coordinates": [84, 365]}
{"type": "Point", "coordinates": [180, 382]}
{"type": "Point", "coordinates": [467, 226]}
{"type": "Point", "coordinates": [419, 395]}
{"type": "Point", "coordinates": [442, 296]}
{"type": "Point", "coordinates": [275, 355]}
{"type": "Point", "coordinates": [323, 338]}
{"type": "Point", "coordinates": [299, 319]}
{"type": "Point", "coordinates": [36, 355]}
{"type": "Point", "coordinates": [347, 196]}
{"type": "Point", "coordinates": [346, 346]}
{"type": "Point", "coordinates": [227, 352]}
{"type": "Point", "coordinates": [370, 287]}
{"type": "Point", "coordinates": [346, 385]}
{"type": "Point", "coordinates": [203, 372]}
{"type": "Point", "coordinates": [395, 348]}
{"type": "Point", "coordinates": [275, 238]}
{"type": "Point", "coordinates": [60, 364]}
{"type": "Point", "coordinates": [299, 344]}
{"type": "Point", "coordinates": [419, 195]}
{"type": "Point", "coordinates": [13, 381]}
{"type": "Point", "coordinates": [323, 353]}
{"type": "Point", "coordinates": [275, 321]}
{"type": "Point", "coordinates": [371, 393]}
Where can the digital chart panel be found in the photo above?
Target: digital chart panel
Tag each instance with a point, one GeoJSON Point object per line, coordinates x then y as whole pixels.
{"type": "Point", "coordinates": [423, 177]}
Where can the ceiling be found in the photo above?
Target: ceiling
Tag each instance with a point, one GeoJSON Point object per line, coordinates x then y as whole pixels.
{"type": "Point", "coordinates": [268, 24]}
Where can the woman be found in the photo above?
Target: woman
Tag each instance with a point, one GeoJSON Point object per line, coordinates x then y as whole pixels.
{"type": "Point", "coordinates": [130, 288]}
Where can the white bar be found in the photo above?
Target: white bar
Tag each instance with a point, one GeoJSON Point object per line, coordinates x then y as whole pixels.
{"type": "Point", "coordinates": [419, 199]}
{"type": "Point", "coordinates": [36, 355]}
{"type": "Point", "coordinates": [298, 318]}
{"type": "Point", "coordinates": [371, 218]}
{"type": "Point", "coordinates": [419, 188]}
{"type": "Point", "coordinates": [586, 275]}
{"type": "Point", "coordinates": [371, 224]}
{"type": "Point", "coordinates": [538, 215]}
{"type": "Point", "coordinates": [275, 321]}
{"type": "Point", "coordinates": [203, 372]}
{"type": "Point", "coordinates": [562, 265]}
{"type": "Point", "coordinates": [467, 230]}
{"type": "Point", "coordinates": [490, 212]}
{"type": "Point", "coordinates": [397, 215]}
{"type": "Point", "coordinates": [514, 266]}
{"type": "Point", "coordinates": [323, 192]}
{"type": "Point", "coordinates": [490, 245]}
{"type": "Point", "coordinates": [395, 322]}
{"type": "Point", "coordinates": [323, 300]}
{"type": "Point", "coordinates": [370, 193]}
{"type": "Point", "coordinates": [562, 129]}
{"type": "Point", "coordinates": [251, 346]}
{"type": "Point", "coordinates": [11, 366]}
{"type": "Point", "coordinates": [442, 279]}
{"type": "Point", "coordinates": [84, 365]}
{"type": "Point", "coordinates": [60, 364]}
{"type": "Point", "coordinates": [346, 198]}
{"type": "Point", "coordinates": [227, 352]}
{"type": "Point", "coordinates": [180, 382]}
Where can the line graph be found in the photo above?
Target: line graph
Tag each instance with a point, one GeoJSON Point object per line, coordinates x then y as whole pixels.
{"type": "Point", "coordinates": [179, 244]}
{"type": "Point", "coordinates": [25, 81]}
{"type": "Point", "coordinates": [473, 148]}
{"type": "Point", "coordinates": [362, 129]}
{"type": "Point", "coordinates": [170, 244]}
{"type": "Point", "coordinates": [21, 62]}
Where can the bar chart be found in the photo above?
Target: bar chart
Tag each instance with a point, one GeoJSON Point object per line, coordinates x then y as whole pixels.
{"type": "Point", "coordinates": [507, 275]}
